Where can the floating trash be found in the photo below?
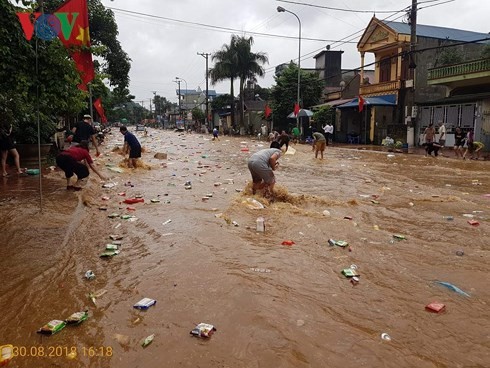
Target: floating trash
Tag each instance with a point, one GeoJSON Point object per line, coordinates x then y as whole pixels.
{"type": "Point", "coordinates": [147, 340]}
{"type": "Point", "coordinates": [385, 336]}
{"type": "Point", "coordinates": [261, 270]}
{"type": "Point", "coordinates": [203, 330]}
{"type": "Point", "coordinates": [145, 303]}
{"type": "Point", "coordinates": [77, 318]}
{"type": "Point", "coordinates": [435, 307]}
{"type": "Point", "coordinates": [52, 327]}
{"type": "Point", "coordinates": [452, 287]}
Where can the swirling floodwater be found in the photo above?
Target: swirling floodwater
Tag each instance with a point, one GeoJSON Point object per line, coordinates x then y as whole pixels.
{"type": "Point", "coordinates": [198, 254]}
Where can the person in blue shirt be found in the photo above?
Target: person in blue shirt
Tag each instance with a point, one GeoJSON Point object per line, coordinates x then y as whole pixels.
{"type": "Point", "coordinates": [132, 145]}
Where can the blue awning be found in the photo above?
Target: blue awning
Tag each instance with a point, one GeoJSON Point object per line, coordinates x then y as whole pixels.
{"type": "Point", "coordinates": [388, 100]}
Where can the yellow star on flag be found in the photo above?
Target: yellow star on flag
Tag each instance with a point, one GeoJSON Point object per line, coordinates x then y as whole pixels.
{"type": "Point", "coordinates": [83, 36]}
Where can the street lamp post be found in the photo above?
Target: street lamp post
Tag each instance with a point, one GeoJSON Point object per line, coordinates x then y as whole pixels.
{"type": "Point", "coordinates": [280, 9]}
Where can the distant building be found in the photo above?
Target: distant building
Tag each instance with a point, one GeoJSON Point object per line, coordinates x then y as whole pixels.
{"type": "Point", "coordinates": [191, 98]}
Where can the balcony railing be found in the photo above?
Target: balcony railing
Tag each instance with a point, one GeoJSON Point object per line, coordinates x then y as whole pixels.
{"type": "Point", "coordinates": [381, 87]}
{"type": "Point", "coordinates": [476, 66]}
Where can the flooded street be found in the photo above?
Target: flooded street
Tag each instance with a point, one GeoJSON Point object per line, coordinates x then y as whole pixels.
{"type": "Point", "coordinates": [273, 305]}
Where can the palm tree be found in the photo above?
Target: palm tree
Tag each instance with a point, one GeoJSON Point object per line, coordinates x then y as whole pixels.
{"type": "Point", "coordinates": [236, 60]}
{"type": "Point", "coordinates": [225, 68]}
{"type": "Point", "coordinates": [249, 65]}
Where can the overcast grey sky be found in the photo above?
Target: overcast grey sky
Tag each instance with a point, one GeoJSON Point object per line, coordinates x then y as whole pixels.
{"type": "Point", "coordinates": [162, 49]}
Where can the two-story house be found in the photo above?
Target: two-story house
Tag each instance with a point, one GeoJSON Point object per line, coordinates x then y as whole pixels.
{"type": "Point", "coordinates": [397, 81]}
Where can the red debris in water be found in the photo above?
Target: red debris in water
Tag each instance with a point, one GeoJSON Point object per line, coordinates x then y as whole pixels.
{"type": "Point", "coordinates": [435, 307]}
{"type": "Point", "coordinates": [288, 242]}
{"type": "Point", "coordinates": [473, 222]}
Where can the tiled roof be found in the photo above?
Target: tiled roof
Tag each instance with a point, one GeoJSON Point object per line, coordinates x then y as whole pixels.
{"type": "Point", "coordinates": [439, 32]}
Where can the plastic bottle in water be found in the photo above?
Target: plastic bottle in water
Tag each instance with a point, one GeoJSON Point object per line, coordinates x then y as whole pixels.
{"type": "Point", "coordinates": [260, 224]}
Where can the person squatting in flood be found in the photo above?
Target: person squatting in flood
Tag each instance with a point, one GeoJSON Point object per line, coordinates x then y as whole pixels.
{"type": "Point", "coordinates": [284, 140]}
{"type": "Point", "coordinates": [262, 165]}
{"type": "Point", "coordinates": [76, 160]}
{"type": "Point", "coordinates": [132, 145]}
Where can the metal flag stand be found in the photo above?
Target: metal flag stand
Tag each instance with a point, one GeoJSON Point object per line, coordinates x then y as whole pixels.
{"type": "Point", "coordinates": [38, 122]}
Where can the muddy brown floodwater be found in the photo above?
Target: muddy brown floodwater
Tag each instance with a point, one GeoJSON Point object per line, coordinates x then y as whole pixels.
{"type": "Point", "coordinates": [200, 267]}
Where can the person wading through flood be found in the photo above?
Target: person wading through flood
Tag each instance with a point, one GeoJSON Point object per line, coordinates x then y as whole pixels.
{"type": "Point", "coordinates": [262, 165]}
{"type": "Point", "coordinates": [429, 135]}
{"type": "Point", "coordinates": [7, 146]}
{"type": "Point", "coordinates": [84, 131]}
{"type": "Point", "coordinates": [70, 161]}
{"type": "Point", "coordinates": [132, 145]}
{"type": "Point", "coordinates": [319, 143]}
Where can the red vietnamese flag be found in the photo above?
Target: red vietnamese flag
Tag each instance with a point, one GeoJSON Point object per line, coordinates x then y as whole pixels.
{"type": "Point", "coordinates": [361, 103]}
{"type": "Point", "coordinates": [100, 110]}
{"type": "Point", "coordinates": [296, 109]}
{"type": "Point", "coordinates": [267, 111]}
{"type": "Point", "coordinates": [76, 36]}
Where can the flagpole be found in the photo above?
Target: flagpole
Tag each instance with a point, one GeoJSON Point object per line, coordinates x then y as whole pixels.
{"type": "Point", "coordinates": [91, 103]}
{"type": "Point", "coordinates": [272, 121]}
{"type": "Point", "coordinates": [38, 123]}
{"type": "Point", "coordinates": [365, 125]}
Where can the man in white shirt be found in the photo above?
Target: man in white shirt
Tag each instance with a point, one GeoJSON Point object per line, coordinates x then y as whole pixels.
{"type": "Point", "coordinates": [328, 129]}
{"type": "Point", "coordinates": [442, 133]}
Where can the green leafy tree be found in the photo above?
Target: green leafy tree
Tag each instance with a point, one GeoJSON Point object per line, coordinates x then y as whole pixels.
{"type": "Point", "coordinates": [450, 55]}
{"type": "Point", "coordinates": [325, 115]}
{"type": "Point", "coordinates": [485, 53]}
{"type": "Point", "coordinates": [284, 93]}
{"type": "Point", "coordinates": [222, 102]}
{"type": "Point", "coordinates": [56, 82]}
{"type": "Point", "coordinates": [112, 63]}
{"type": "Point", "coordinates": [198, 114]}
{"type": "Point", "coordinates": [264, 93]}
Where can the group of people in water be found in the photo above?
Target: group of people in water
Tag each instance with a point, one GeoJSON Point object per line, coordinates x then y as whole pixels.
{"type": "Point", "coordinates": [76, 160]}
{"type": "Point", "coordinates": [464, 143]}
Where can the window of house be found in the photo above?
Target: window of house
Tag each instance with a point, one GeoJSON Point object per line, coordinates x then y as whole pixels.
{"type": "Point", "coordinates": [452, 117]}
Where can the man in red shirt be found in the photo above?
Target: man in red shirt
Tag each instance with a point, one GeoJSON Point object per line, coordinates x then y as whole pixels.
{"type": "Point", "coordinates": [70, 161]}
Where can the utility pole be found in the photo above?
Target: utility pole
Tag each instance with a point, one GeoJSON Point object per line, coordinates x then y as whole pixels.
{"type": "Point", "coordinates": [413, 35]}
{"type": "Point", "coordinates": [206, 56]}
{"type": "Point", "coordinates": [155, 103]}
{"type": "Point", "coordinates": [142, 110]}
{"type": "Point", "coordinates": [180, 110]}
{"type": "Point", "coordinates": [413, 63]}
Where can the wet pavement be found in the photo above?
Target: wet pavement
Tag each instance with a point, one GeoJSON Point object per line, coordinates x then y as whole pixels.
{"type": "Point", "coordinates": [273, 305]}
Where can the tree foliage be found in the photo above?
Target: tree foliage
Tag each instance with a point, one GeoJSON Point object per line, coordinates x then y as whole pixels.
{"type": "Point", "coordinates": [57, 80]}
{"type": "Point", "coordinates": [326, 114]}
{"type": "Point", "coordinates": [485, 53]}
{"type": "Point", "coordinates": [450, 55]}
{"type": "Point", "coordinates": [284, 93]}
{"type": "Point", "coordinates": [222, 102]}
{"type": "Point", "coordinates": [198, 114]}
